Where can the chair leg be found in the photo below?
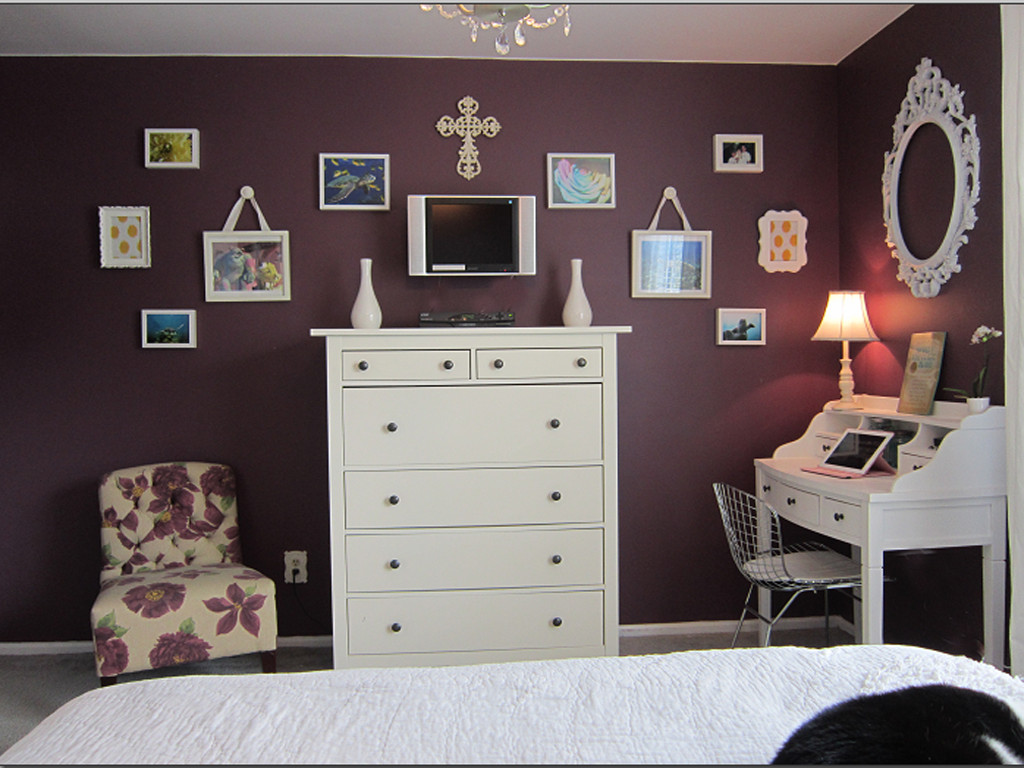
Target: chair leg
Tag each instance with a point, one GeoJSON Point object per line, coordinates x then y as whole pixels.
{"type": "Point", "coordinates": [269, 659]}
{"type": "Point", "coordinates": [775, 619]}
{"type": "Point", "coordinates": [105, 681]}
{"type": "Point", "coordinates": [743, 615]}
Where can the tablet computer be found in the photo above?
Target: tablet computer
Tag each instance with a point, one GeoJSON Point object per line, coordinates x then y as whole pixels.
{"type": "Point", "coordinates": [855, 454]}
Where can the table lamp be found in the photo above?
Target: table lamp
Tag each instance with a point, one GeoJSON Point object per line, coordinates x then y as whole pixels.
{"type": "Point", "coordinates": [845, 320]}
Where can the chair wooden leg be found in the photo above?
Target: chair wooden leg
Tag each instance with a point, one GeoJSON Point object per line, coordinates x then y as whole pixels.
{"type": "Point", "coordinates": [269, 659]}
{"type": "Point", "coordinates": [105, 681]}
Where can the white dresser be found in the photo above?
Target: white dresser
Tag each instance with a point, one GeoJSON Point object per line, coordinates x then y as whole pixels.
{"type": "Point", "coordinates": [473, 492]}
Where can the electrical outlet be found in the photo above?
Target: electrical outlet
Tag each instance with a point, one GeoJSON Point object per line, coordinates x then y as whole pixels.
{"type": "Point", "coordinates": [295, 567]}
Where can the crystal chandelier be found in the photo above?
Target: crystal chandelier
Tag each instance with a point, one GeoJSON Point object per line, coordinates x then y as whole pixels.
{"type": "Point", "coordinates": [501, 17]}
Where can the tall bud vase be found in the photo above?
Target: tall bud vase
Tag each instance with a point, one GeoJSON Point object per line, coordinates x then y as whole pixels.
{"type": "Point", "coordinates": [366, 310]}
{"type": "Point", "coordinates": [577, 310]}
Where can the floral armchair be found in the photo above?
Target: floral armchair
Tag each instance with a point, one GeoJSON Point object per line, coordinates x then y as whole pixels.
{"type": "Point", "coordinates": [173, 589]}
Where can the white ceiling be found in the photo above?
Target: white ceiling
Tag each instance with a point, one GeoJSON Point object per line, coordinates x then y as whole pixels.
{"type": "Point", "coordinates": [796, 33]}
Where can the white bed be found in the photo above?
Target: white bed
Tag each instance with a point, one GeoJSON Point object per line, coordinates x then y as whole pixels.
{"type": "Point", "coordinates": [693, 707]}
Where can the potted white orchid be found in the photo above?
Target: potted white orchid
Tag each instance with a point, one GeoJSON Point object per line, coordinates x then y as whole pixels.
{"type": "Point", "coordinates": [976, 399]}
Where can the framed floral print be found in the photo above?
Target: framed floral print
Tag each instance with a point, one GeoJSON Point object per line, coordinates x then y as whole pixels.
{"type": "Point", "coordinates": [124, 236]}
{"type": "Point", "coordinates": [172, 147]}
{"type": "Point", "coordinates": [578, 180]}
{"type": "Point", "coordinates": [355, 182]}
{"type": "Point", "coordinates": [247, 266]}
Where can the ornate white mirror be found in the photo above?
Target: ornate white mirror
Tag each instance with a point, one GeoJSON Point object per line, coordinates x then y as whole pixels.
{"type": "Point", "coordinates": [931, 103]}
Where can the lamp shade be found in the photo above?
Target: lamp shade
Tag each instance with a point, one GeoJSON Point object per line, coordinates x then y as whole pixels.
{"type": "Point", "coordinates": [845, 319]}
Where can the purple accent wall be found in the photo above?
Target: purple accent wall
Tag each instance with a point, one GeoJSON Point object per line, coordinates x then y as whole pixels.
{"type": "Point", "coordinates": [935, 599]}
{"type": "Point", "coordinates": [80, 397]}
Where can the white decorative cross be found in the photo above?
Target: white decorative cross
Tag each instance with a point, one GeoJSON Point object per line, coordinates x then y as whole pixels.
{"type": "Point", "coordinates": [468, 125]}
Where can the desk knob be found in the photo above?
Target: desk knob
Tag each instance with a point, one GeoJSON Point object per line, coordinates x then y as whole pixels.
{"type": "Point", "coordinates": [838, 516]}
{"type": "Point", "coordinates": [790, 500]}
{"type": "Point", "coordinates": [766, 488]}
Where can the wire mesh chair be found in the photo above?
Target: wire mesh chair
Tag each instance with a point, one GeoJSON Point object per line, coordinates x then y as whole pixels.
{"type": "Point", "coordinates": [755, 541]}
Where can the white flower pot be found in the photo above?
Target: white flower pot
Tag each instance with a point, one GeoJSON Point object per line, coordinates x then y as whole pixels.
{"type": "Point", "coordinates": [977, 404]}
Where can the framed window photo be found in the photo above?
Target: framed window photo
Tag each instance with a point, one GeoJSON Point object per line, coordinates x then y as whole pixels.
{"type": "Point", "coordinates": [671, 264]}
{"type": "Point", "coordinates": [172, 148]}
{"type": "Point", "coordinates": [577, 180]}
{"type": "Point", "coordinates": [247, 266]}
{"type": "Point", "coordinates": [124, 236]}
{"type": "Point", "coordinates": [169, 328]}
{"type": "Point", "coordinates": [739, 326]}
{"type": "Point", "coordinates": [739, 153]}
{"type": "Point", "coordinates": [355, 182]}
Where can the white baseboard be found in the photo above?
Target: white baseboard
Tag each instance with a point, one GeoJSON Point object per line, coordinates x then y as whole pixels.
{"type": "Point", "coordinates": [85, 646]}
{"type": "Point", "coordinates": [728, 626]}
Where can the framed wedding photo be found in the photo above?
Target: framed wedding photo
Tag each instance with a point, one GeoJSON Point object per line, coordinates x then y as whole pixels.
{"type": "Point", "coordinates": [739, 327]}
{"type": "Point", "coordinates": [671, 264]}
{"type": "Point", "coordinates": [247, 266]}
{"type": "Point", "coordinates": [172, 147]}
{"type": "Point", "coordinates": [739, 153]}
{"type": "Point", "coordinates": [169, 328]}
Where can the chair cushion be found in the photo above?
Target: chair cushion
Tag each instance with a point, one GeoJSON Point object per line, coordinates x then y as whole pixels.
{"type": "Point", "coordinates": [152, 619]}
{"type": "Point", "coordinates": [819, 566]}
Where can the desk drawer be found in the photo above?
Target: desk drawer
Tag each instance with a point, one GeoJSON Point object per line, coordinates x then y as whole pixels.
{"type": "Point", "coordinates": [795, 504]}
{"type": "Point", "coordinates": [472, 424]}
{"type": "Point", "coordinates": [843, 520]}
{"type": "Point", "coordinates": [539, 363]}
{"type": "Point", "coordinates": [460, 497]}
{"type": "Point", "coordinates": [475, 621]}
{"type": "Point", "coordinates": [405, 365]}
{"type": "Point", "coordinates": [477, 559]}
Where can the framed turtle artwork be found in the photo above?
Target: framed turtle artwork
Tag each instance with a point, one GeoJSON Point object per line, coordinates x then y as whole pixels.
{"type": "Point", "coordinates": [351, 182]}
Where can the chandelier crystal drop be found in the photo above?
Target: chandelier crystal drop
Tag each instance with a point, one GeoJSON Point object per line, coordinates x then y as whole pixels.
{"type": "Point", "coordinates": [480, 16]}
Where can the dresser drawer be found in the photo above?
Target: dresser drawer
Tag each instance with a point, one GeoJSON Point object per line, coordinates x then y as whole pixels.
{"type": "Point", "coordinates": [538, 363]}
{"type": "Point", "coordinates": [475, 621]}
{"type": "Point", "coordinates": [405, 365]}
{"type": "Point", "coordinates": [461, 497]}
{"type": "Point", "coordinates": [474, 424]}
{"type": "Point", "coordinates": [795, 504]}
{"type": "Point", "coordinates": [474, 559]}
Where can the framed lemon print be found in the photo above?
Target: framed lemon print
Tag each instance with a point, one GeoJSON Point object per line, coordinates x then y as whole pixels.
{"type": "Point", "coordinates": [124, 236]}
{"type": "Point", "coordinates": [172, 148]}
{"type": "Point", "coordinates": [783, 241]}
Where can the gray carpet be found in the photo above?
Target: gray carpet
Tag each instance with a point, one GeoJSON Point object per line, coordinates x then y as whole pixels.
{"type": "Point", "coordinates": [31, 687]}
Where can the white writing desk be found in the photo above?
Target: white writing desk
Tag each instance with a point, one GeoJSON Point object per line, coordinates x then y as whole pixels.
{"type": "Point", "coordinates": [949, 491]}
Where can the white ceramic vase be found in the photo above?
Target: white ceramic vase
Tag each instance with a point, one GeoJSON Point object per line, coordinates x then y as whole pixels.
{"type": "Point", "coordinates": [977, 404]}
{"type": "Point", "coordinates": [576, 311]}
{"type": "Point", "coordinates": [366, 310]}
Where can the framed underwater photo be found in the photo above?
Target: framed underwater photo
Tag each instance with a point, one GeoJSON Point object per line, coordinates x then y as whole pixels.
{"type": "Point", "coordinates": [355, 182]}
{"type": "Point", "coordinates": [169, 328]}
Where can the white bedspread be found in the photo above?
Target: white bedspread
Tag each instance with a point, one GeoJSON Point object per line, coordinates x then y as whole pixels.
{"type": "Point", "coordinates": [694, 707]}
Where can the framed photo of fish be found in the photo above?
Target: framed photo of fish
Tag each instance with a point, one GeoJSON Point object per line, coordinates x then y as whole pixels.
{"type": "Point", "coordinates": [355, 182]}
{"type": "Point", "coordinates": [172, 147]}
{"type": "Point", "coordinates": [247, 266]}
{"type": "Point", "coordinates": [169, 328]}
{"type": "Point", "coordinates": [124, 236]}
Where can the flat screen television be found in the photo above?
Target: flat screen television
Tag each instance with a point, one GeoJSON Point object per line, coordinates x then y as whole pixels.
{"type": "Point", "coordinates": [472, 235]}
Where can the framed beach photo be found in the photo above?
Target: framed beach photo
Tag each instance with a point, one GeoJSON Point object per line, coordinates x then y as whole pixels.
{"type": "Point", "coordinates": [578, 180]}
{"type": "Point", "coordinates": [739, 153]}
{"type": "Point", "coordinates": [739, 327]}
{"type": "Point", "coordinates": [124, 236]}
{"type": "Point", "coordinates": [169, 328]}
{"type": "Point", "coordinates": [354, 182]}
{"type": "Point", "coordinates": [247, 266]}
{"type": "Point", "coordinates": [172, 148]}
{"type": "Point", "coordinates": [671, 264]}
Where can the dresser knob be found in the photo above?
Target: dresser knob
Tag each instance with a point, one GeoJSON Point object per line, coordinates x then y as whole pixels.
{"type": "Point", "coordinates": [557, 621]}
{"type": "Point", "coordinates": [556, 559]}
{"type": "Point", "coordinates": [394, 565]}
{"type": "Point", "coordinates": [393, 500]}
{"type": "Point", "coordinates": [499, 363]}
{"type": "Point", "coordinates": [555, 423]}
{"type": "Point", "coordinates": [396, 627]}
{"type": "Point", "coordinates": [392, 427]}
{"type": "Point", "coordinates": [556, 495]}
{"type": "Point", "coordinates": [363, 365]}
{"type": "Point", "coordinates": [448, 365]}
{"type": "Point", "coordinates": [581, 362]}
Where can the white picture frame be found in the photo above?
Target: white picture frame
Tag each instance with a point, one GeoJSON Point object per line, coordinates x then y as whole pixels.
{"type": "Point", "coordinates": [671, 264]}
{"type": "Point", "coordinates": [124, 237]}
{"type": "Point", "coordinates": [739, 153]}
{"type": "Point", "coordinates": [168, 329]}
{"type": "Point", "coordinates": [354, 182]}
{"type": "Point", "coordinates": [740, 327]}
{"type": "Point", "coordinates": [171, 147]}
{"type": "Point", "coordinates": [783, 241]}
{"type": "Point", "coordinates": [247, 265]}
{"type": "Point", "coordinates": [581, 180]}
